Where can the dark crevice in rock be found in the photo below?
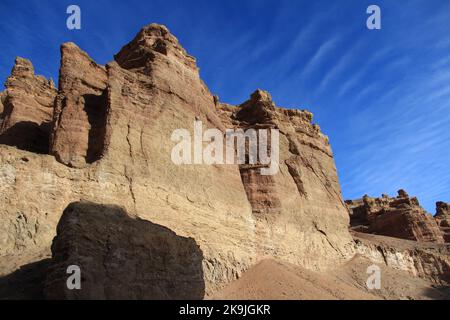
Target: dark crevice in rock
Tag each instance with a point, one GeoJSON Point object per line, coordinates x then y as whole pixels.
{"type": "Point", "coordinates": [26, 283]}
{"type": "Point", "coordinates": [28, 136]}
{"type": "Point", "coordinates": [96, 108]}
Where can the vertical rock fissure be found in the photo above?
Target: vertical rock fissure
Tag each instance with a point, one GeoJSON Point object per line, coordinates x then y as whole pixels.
{"type": "Point", "coordinates": [96, 108]}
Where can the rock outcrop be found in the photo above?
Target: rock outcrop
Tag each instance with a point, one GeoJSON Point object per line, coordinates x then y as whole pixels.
{"type": "Point", "coordinates": [443, 218]}
{"type": "Point", "coordinates": [122, 257]}
{"type": "Point", "coordinates": [400, 217]}
{"type": "Point", "coordinates": [104, 140]}
{"type": "Point", "coordinates": [429, 261]}
{"type": "Point", "coordinates": [26, 109]}
{"type": "Point", "coordinates": [111, 144]}
{"type": "Point", "coordinates": [79, 120]}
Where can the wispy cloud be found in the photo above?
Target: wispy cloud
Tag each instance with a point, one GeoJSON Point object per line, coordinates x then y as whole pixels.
{"type": "Point", "coordinates": [342, 65]}
{"type": "Point", "coordinates": [324, 51]}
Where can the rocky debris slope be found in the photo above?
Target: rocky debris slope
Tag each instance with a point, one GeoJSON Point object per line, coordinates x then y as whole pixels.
{"type": "Point", "coordinates": [26, 109]}
{"type": "Point", "coordinates": [428, 261]}
{"type": "Point", "coordinates": [273, 279]}
{"type": "Point", "coordinates": [110, 143]}
{"type": "Point", "coordinates": [122, 257]}
{"type": "Point", "coordinates": [278, 280]}
{"type": "Point", "coordinates": [400, 217]}
{"type": "Point", "coordinates": [443, 218]}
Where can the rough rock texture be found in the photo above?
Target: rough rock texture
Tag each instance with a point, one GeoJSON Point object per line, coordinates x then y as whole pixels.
{"type": "Point", "coordinates": [26, 109]}
{"type": "Point", "coordinates": [429, 261]}
{"type": "Point", "coordinates": [2, 97]}
{"type": "Point", "coordinates": [400, 217]}
{"type": "Point", "coordinates": [443, 218]}
{"type": "Point", "coordinates": [111, 144]}
{"type": "Point", "coordinates": [307, 181]}
{"type": "Point", "coordinates": [81, 108]}
{"type": "Point", "coordinates": [122, 257]}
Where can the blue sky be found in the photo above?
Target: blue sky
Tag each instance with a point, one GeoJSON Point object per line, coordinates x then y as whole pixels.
{"type": "Point", "coordinates": [383, 97]}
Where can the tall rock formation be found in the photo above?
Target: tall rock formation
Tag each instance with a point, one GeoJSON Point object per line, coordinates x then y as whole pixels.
{"type": "Point", "coordinates": [443, 218]}
{"type": "Point", "coordinates": [79, 120]}
{"type": "Point", "coordinates": [400, 217]}
{"type": "Point", "coordinates": [26, 109]}
{"type": "Point", "coordinates": [111, 144]}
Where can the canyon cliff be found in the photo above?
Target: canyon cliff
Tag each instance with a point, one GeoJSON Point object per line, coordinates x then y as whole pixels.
{"type": "Point", "coordinates": [87, 179]}
{"type": "Point", "coordinates": [109, 131]}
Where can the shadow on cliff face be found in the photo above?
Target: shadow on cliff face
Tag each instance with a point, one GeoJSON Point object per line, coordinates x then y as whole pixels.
{"type": "Point", "coordinates": [25, 283]}
{"type": "Point", "coordinates": [122, 257]}
{"type": "Point", "coordinates": [28, 136]}
{"type": "Point", "coordinates": [438, 292]}
{"type": "Point", "coordinates": [96, 108]}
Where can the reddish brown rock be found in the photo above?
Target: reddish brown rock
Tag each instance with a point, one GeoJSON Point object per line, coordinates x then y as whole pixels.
{"type": "Point", "coordinates": [26, 109]}
{"type": "Point", "coordinates": [443, 218]}
{"type": "Point", "coordinates": [306, 159]}
{"type": "Point", "coordinates": [400, 217]}
{"type": "Point", "coordinates": [78, 134]}
{"type": "Point", "coordinates": [2, 97]}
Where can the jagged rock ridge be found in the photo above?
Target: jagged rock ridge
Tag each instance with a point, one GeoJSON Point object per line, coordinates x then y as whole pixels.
{"type": "Point", "coordinates": [443, 218]}
{"type": "Point", "coordinates": [400, 217]}
{"type": "Point", "coordinates": [26, 109]}
{"type": "Point", "coordinates": [110, 136]}
{"type": "Point", "coordinates": [109, 143]}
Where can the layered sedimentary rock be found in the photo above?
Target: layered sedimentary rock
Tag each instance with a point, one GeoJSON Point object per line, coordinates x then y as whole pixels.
{"type": "Point", "coordinates": [2, 97]}
{"type": "Point", "coordinates": [26, 109]}
{"type": "Point", "coordinates": [307, 179]}
{"type": "Point", "coordinates": [443, 219]}
{"type": "Point", "coordinates": [400, 217]}
{"type": "Point", "coordinates": [111, 144]}
{"type": "Point", "coordinates": [122, 257]}
{"type": "Point", "coordinates": [429, 261]}
{"type": "Point", "coordinates": [181, 231]}
{"type": "Point", "coordinates": [81, 108]}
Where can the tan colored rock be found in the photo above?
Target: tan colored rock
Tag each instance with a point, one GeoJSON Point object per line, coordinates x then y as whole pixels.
{"type": "Point", "coordinates": [26, 109]}
{"type": "Point", "coordinates": [306, 187]}
{"type": "Point", "coordinates": [443, 219]}
{"type": "Point", "coordinates": [429, 261]}
{"type": "Point", "coordinates": [400, 217]}
{"type": "Point", "coordinates": [236, 218]}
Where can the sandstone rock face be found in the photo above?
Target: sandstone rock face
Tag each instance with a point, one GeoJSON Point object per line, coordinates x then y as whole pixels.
{"type": "Point", "coordinates": [429, 261]}
{"type": "Point", "coordinates": [78, 134]}
{"type": "Point", "coordinates": [26, 109]}
{"type": "Point", "coordinates": [307, 180]}
{"type": "Point", "coordinates": [2, 97]}
{"type": "Point", "coordinates": [122, 257]}
{"type": "Point", "coordinates": [181, 231]}
{"type": "Point", "coordinates": [400, 217]}
{"type": "Point", "coordinates": [111, 144]}
{"type": "Point", "coordinates": [443, 218]}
